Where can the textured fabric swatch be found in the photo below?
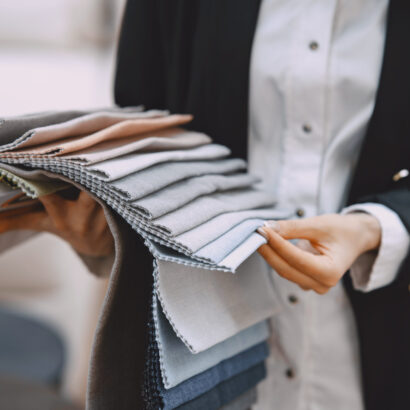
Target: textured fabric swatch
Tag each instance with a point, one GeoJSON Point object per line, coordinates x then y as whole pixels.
{"type": "Point", "coordinates": [204, 382]}
{"type": "Point", "coordinates": [228, 390]}
{"type": "Point", "coordinates": [147, 181]}
{"type": "Point", "coordinates": [43, 128]}
{"type": "Point", "coordinates": [116, 168]}
{"type": "Point", "coordinates": [234, 302]}
{"type": "Point", "coordinates": [204, 234]}
{"type": "Point", "coordinates": [33, 189]}
{"type": "Point", "coordinates": [206, 207]}
{"type": "Point", "coordinates": [179, 194]}
{"type": "Point", "coordinates": [11, 128]}
{"type": "Point", "coordinates": [179, 364]}
{"type": "Point", "coordinates": [141, 123]}
{"type": "Point", "coordinates": [226, 243]}
{"type": "Point", "coordinates": [170, 138]}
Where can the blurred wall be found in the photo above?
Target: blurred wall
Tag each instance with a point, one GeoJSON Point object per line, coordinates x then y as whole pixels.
{"type": "Point", "coordinates": [56, 54]}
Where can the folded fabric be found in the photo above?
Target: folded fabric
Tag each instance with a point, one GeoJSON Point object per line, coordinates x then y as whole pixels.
{"type": "Point", "coordinates": [116, 168]}
{"type": "Point", "coordinates": [141, 123]}
{"type": "Point", "coordinates": [30, 130]}
{"type": "Point", "coordinates": [234, 302]}
{"type": "Point", "coordinates": [244, 402]}
{"type": "Point", "coordinates": [209, 231]}
{"type": "Point", "coordinates": [206, 207]}
{"type": "Point", "coordinates": [178, 364]}
{"type": "Point", "coordinates": [13, 127]}
{"type": "Point", "coordinates": [179, 194]}
{"type": "Point", "coordinates": [33, 189]}
{"type": "Point", "coordinates": [228, 390]}
{"type": "Point", "coordinates": [203, 382]}
{"type": "Point", "coordinates": [172, 138]}
{"type": "Point", "coordinates": [226, 243]}
{"type": "Point", "coordinates": [147, 181]}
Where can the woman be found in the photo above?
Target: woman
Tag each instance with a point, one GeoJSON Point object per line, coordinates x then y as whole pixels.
{"type": "Point", "coordinates": [315, 94]}
{"type": "Point", "coordinates": [298, 88]}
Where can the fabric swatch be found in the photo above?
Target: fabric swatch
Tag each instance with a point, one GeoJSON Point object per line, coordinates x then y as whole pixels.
{"type": "Point", "coordinates": [206, 207]}
{"type": "Point", "coordinates": [116, 168]}
{"type": "Point", "coordinates": [179, 364]}
{"type": "Point", "coordinates": [228, 390]}
{"type": "Point", "coordinates": [234, 302]}
{"type": "Point", "coordinates": [147, 181]}
{"type": "Point", "coordinates": [179, 194]}
{"type": "Point", "coordinates": [141, 123]}
{"type": "Point", "coordinates": [169, 138]}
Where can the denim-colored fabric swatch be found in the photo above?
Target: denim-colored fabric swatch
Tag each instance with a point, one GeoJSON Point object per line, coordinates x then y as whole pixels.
{"type": "Point", "coordinates": [228, 390]}
{"type": "Point", "coordinates": [117, 168]}
{"type": "Point", "coordinates": [203, 382]}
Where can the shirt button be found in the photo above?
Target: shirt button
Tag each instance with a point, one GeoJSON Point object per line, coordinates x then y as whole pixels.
{"type": "Point", "coordinates": [300, 212]}
{"type": "Point", "coordinates": [307, 128]}
{"type": "Point", "coordinates": [290, 374]}
{"type": "Point", "coordinates": [313, 45]}
{"type": "Point", "coordinates": [293, 299]}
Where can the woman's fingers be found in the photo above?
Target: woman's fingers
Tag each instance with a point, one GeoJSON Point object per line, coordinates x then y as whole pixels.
{"type": "Point", "coordinates": [315, 266]}
{"type": "Point", "coordinates": [290, 273]}
{"type": "Point", "coordinates": [308, 228]}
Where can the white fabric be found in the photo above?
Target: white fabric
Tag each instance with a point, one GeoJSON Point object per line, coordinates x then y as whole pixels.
{"type": "Point", "coordinates": [233, 301]}
{"type": "Point", "coordinates": [309, 106]}
{"type": "Point", "coordinates": [373, 270]}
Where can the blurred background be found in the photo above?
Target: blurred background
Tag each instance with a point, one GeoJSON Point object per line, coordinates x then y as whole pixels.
{"type": "Point", "coordinates": [56, 54]}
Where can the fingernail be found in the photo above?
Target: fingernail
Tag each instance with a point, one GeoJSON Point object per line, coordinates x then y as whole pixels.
{"type": "Point", "coordinates": [272, 225]}
{"type": "Point", "coordinates": [262, 232]}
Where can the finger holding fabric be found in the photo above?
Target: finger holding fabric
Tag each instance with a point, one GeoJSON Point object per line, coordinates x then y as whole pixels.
{"type": "Point", "coordinates": [328, 246]}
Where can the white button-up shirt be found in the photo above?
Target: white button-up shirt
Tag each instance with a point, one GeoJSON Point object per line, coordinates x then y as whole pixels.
{"type": "Point", "coordinates": [315, 68]}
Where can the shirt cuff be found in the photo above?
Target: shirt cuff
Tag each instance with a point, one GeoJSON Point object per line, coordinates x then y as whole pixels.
{"type": "Point", "coordinates": [375, 269]}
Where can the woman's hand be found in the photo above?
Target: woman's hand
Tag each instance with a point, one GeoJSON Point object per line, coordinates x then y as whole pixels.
{"type": "Point", "coordinates": [328, 246]}
{"type": "Point", "coordinates": [80, 221]}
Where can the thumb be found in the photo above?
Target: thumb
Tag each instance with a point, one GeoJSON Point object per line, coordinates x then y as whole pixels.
{"type": "Point", "coordinates": [295, 228]}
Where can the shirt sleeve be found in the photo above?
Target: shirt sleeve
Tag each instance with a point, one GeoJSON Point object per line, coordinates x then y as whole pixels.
{"type": "Point", "coordinates": [376, 269]}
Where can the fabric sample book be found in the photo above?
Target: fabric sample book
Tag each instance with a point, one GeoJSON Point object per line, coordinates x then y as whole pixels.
{"type": "Point", "coordinates": [184, 322]}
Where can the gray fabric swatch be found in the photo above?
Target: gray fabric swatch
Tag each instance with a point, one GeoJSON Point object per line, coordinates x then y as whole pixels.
{"type": "Point", "coordinates": [204, 208]}
{"type": "Point", "coordinates": [117, 168]}
{"type": "Point", "coordinates": [201, 235]}
{"type": "Point", "coordinates": [174, 138]}
{"type": "Point", "coordinates": [234, 302]}
{"type": "Point", "coordinates": [226, 243]}
{"type": "Point", "coordinates": [176, 195]}
{"type": "Point", "coordinates": [150, 180]}
{"type": "Point", "coordinates": [179, 364]}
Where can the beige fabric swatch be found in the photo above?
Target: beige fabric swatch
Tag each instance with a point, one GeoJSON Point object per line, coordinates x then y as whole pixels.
{"type": "Point", "coordinates": [162, 140]}
{"type": "Point", "coordinates": [86, 124]}
{"type": "Point", "coordinates": [122, 129]}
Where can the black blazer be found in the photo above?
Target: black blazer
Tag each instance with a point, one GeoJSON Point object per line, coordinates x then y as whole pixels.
{"type": "Point", "coordinates": [192, 56]}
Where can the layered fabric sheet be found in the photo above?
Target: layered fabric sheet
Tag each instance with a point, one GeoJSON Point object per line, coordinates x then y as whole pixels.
{"type": "Point", "coordinates": [196, 211]}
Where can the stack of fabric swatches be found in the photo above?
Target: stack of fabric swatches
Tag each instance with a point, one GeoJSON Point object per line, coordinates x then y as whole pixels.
{"type": "Point", "coordinates": [196, 210]}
